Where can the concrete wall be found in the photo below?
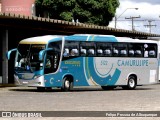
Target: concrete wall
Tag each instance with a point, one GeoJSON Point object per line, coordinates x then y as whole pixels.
{"type": "Point", "coordinates": [4, 62]}
{"type": "Point", "coordinates": [1, 56]}
{"type": "Point", "coordinates": [0, 7]}
{"type": "Point", "coordinates": [0, 79]}
{"type": "Point", "coordinates": [22, 7]}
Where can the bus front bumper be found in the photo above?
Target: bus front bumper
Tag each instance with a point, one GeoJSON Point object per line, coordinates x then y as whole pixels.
{"type": "Point", "coordinates": [38, 82]}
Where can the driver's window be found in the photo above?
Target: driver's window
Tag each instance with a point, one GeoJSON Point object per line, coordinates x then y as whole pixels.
{"type": "Point", "coordinates": [53, 57]}
{"type": "Point", "coordinates": [49, 62]}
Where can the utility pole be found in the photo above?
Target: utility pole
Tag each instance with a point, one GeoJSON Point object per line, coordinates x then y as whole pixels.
{"type": "Point", "coordinates": [150, 25]}
{"type": "Point", "coordinates": [116, 17]}
{"type": "Point", "coordinates": [132, 18]}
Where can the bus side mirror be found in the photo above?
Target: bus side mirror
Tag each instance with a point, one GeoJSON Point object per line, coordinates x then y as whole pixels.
{"type": "Point", "coordinates": [8, 54]}
{"type": "Point", "coordinates": [42, 52]}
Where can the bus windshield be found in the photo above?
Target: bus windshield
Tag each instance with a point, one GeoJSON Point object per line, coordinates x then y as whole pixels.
{"type": "Point", "coordinates": [27, 57]}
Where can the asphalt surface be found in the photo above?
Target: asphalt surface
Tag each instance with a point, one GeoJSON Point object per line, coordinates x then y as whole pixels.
{"type": "Point", "coordinates": [143, 98]}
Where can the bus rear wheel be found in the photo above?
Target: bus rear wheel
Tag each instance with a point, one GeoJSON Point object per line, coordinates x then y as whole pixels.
{"type": "Point", "coordinates": [67, 85]}
{"type": "Point", "coordinates": [132, 83]}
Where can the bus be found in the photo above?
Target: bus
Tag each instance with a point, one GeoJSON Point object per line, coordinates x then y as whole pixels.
{"type": "Point", "coordinates": [85, 60]}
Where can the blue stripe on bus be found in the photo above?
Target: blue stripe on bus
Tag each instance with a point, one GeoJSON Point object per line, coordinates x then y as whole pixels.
{"type": "Point", "coordinates": [104, 39]}
{"type": "Point", "coordinates": [91, 38]}
{"type": "Point", "coordinates": [91, 74]}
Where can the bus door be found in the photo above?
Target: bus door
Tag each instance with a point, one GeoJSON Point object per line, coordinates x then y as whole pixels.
{"type": "Point", "coordinates": [51, 62]}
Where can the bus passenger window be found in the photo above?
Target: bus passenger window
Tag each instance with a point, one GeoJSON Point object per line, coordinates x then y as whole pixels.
{"type": "Point", "coordinates": [66, 52]}
{"type": "Point", "coordinates": [131, 53]}
{"type": "Point", "coordinates": [145, 53]}
{"type": "Point", "coordinates": [123, 53]}
{"type": "Point", "coordinates": [83, 52]}
{"type": "Point", "coordinates": [104, 49]}
{"type": "Point", "coordinates": [136, 50]}
{"type": "Point", "coordinates": [87, 48]}
{"type": "Point", "coordinates": [138, 53]}
{"type": "Point", "coordinates": [74, 52]}
{"type": "Point", "coordinates": [71, 49]}
{"type": "Point", "coordinates": [107, 52]}
{"type": "Point", "coordinates": [115, 52]}
{"type": "Point", "coordinates": [100, 52]}
{"type": "Point", "coordinates": [151, 49]}
{"type": "Point", "coordinates": [91, 52]}
{"type": "Point", "coordinates": [151, 53]}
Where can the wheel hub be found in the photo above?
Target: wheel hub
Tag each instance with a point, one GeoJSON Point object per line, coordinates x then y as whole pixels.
{"type": "Point", "coordinates": [131, 83]}
{"type": "Point", "coordinates": [67, 84]}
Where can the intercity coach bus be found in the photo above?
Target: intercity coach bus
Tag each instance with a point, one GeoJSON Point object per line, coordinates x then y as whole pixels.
{"type": "Point", "coordinates": [85, 60]}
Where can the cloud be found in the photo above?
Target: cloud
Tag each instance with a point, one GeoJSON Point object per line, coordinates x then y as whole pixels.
{"type": "Point", "coordinates": [146, 9]}
{"type": "Point", "coordinates": [144, 1]}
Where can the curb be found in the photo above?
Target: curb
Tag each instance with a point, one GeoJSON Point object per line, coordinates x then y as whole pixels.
{"type": "Point", "coordinates": [7, 85]}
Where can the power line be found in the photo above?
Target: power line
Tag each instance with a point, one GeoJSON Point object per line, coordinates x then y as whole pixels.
{"type": "Point", "coordinates": [150, 25]}
{"type": "Point", "coordinates": [132, 18]}
{"type": "Point", "coordinates": [137, 20]}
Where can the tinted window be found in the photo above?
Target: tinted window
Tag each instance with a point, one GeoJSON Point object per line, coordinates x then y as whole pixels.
{"type": "Point", "coordinates": [87, 48]}
{"type": "Point", "coordinates": [71, 49]}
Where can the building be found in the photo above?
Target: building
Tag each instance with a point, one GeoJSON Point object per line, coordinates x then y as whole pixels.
{"type": "Point", "coordinates": [22, 7]}
{"type": "Point", "coordinates": [0, 6]}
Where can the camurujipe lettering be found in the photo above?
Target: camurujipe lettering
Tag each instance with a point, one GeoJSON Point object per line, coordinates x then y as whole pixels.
{"type": "Point", "coordinates": [72, 62]}
{"type": "Point", "coordinates": [133, 63]}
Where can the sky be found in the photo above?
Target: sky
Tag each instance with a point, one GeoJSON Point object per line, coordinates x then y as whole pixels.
{"type": "Point", "coordinates": [148, 10]}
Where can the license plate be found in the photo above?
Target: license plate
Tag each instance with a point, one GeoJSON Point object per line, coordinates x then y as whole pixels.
{"type": "Point", "coordinates": [25, 82]}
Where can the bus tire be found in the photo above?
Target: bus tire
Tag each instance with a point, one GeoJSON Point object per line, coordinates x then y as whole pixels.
{"type": "Point", "coordinates": [132, 83]}
{"type": "Point", "coordinates": [67, 84]}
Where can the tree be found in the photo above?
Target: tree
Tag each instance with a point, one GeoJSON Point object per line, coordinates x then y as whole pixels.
{"type": "Point", "coordinates": [98, 12]}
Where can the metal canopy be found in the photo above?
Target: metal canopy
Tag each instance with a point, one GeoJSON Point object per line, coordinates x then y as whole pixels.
{"type": "Point", "coordinates": [65, 27]}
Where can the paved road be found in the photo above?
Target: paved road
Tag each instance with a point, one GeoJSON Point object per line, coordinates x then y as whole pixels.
{"type": "Point", "coordinates": [144, 98]}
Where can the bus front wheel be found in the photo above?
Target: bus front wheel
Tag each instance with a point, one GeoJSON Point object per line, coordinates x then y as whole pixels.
{"type": "Point", "coordinates": [67, 85]}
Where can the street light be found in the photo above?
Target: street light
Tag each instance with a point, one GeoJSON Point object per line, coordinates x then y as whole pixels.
{"type": "Point", "coordinates": [116, 18]}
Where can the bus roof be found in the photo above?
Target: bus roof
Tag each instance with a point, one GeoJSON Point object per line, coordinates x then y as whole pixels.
{"type": "Point", "coordinates": [82, 37]}
{"type": "Point", "coordinates": [104, 38]}
{"type": "Point", "coordinates": [40, 39]}
{"type": "Point", "coordinates": [91, 37]}
{"type": "Point", "coordinates": [126, 39]}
